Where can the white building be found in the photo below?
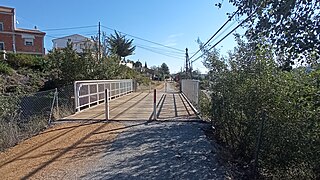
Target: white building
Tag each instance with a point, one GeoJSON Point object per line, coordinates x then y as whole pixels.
{"type": "Point", "coordinates": [128, 64]}
{"type": "Point", "coordinates": [79, 42]}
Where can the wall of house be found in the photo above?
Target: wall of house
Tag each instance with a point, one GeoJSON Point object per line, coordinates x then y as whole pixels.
{"type": "Point", "coordinates": [6, 16]}
{"type": "Point", "coordinates": [37, 47]}
{"type": "Point", "coordinates": [78, 42]}
{"type": "Point", "coordinates": [7, 39]}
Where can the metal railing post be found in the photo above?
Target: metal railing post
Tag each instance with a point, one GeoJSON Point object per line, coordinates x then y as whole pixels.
{"type": "Point", "coordinates": [107, 108]}
{"type": "Point", "coordinates": [75, 96]}
{"type": "Point", "coordinates": [165, 86]}
{"type": "Point", "coordinates": [155, 104]}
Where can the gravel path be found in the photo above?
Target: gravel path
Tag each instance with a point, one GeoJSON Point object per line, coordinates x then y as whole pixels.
{"type": "Point", "coordinates": [170, 150]}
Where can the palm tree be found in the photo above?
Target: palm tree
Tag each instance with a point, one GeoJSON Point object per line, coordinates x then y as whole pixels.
{"type": "Point", "coordinates": [119, 45]}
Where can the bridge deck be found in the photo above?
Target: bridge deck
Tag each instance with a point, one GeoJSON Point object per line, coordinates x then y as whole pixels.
{"type": "Point", "coordinates": [138, 106]}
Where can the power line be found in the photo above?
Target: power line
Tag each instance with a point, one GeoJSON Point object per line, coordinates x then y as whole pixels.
{"type": "Point", "coordinates": [144, 39]}
{"type": "Point", "coordinates": [222, 32]}
{"type": "Point", "coordinates": [159, 52]}
{"type": "Point", "coordinates": [69, 28]}
{"type": "Point", "coordinates": [51, 36]}
{"type": "Point", "coordinates": [163, 50]}
{"type": "Point", "coordinates": [227, 35]}
{"type": "Point", "coordinates": [215, 34]}
{"type": "Point", "coordinates": [81, 33]}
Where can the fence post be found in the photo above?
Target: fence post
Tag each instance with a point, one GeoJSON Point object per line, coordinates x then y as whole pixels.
{"type": "Point", "coordinates": [57, 102]}
{"type": "Point", "coordinates": [165, 86]}
{"type": "Point", "coordinates": [75, 96]}
{"type": "Point", "coordinates": [106, 100]}
{"type": "Point", "coordinates": [155, 104]}
{"type": "Point", "coordinates": [52, 105]}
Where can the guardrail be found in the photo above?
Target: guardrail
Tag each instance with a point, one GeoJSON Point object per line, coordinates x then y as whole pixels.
{"type": "Point", "coordinates": [190, 88]}
{"type": "Point", "coordinates": [90, 93]}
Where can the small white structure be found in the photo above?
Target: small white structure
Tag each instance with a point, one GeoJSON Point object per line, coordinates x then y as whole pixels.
{"type": "Point", "coordinates": [79, 42]}
{"type": "Point", "coordinates": [128, 64]}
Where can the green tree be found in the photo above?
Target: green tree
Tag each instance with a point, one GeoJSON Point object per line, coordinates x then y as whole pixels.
{"type": "Point", "coordinates": [66, 65]}
{"type": "Point", "coordinates": [164, 69]}
{"type": "Point", "coordinates": [292, 26]}
{"type": "Point", "coordinates": [119, 45]}
{"type": "Point", "coordinates": [138, 64]}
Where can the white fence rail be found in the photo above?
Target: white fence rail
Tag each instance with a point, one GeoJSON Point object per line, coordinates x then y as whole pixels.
{"type": "Point", "coordinates": [92, 92]}
{"type": "Point", "coordinates": [190, 88]}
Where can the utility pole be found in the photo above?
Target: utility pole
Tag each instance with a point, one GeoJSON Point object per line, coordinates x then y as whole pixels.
{"type": "Point", "coordinates": [99, 43]}
{"type": "Point", "coordinates": [187, 63]}
{"type": "Point", "coordinates": [190, 69]}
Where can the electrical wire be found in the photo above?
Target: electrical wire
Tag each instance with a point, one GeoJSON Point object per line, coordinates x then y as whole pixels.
{"type": "Point", "coordinates": [162, 50]}
{"type": "Point", "coordinates": [215, 34]}
{"type": "Point", "coordinates": [144, 39]}
{"type": "Point", "coordinates": [159, 52]}
{"type": "Point", "coordinates": [227, 35]}
{"type": "Point", "coordinates": [69, 28]}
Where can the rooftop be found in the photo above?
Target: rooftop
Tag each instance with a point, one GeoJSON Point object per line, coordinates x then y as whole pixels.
{"type": "Point", "coordinates": [35, 31]}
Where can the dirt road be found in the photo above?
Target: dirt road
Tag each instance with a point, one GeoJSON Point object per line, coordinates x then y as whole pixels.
{"type": "Point", "coordinates": [65, 149]}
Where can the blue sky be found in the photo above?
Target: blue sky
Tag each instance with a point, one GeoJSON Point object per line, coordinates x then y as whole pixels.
{"type": "Point", "coordinates": [174, 23]}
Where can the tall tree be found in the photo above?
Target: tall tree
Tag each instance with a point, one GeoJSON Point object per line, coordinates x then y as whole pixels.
{"type": "Point", "coordinates": [164, 69]}
{"type": "Point", "coordinates": [291, 26]}
{"type": "Point", "coordinates": [119, 45]}
{"type": "Point", "coordinates": [138, 64]}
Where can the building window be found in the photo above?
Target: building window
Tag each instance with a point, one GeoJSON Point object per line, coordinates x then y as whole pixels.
{"type": "Point", "coordinates": [1, 46]}
{"type": "Point", "coordinates": [28, 42]}
{"type": "Point", "coordinates": [1, 26]}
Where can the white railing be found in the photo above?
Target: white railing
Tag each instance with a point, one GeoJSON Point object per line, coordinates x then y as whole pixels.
{"type": "Point", "coordinates": [190, 88]}
{"type": "Point", "coordinates": [90, 93]}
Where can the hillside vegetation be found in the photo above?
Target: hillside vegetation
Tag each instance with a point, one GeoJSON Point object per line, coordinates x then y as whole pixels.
{"type": "Point", "coordinates": [23, 76]}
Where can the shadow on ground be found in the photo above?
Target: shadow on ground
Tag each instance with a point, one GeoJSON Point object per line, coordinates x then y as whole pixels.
{"type": "Point", "coordinates": [170, 150]}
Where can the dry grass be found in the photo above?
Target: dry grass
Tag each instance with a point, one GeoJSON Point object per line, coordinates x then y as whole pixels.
{"type": "Point", "coordinates": [13, 132]}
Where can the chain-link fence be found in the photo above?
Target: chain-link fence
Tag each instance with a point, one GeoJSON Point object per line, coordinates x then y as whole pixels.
{"type": "Point", "coordinates": [64, 105]}
{"type": "Point", "coordinates": [50, 105]}
{"type": "Point", "coordinates": [25, 115]}
{"type": "Point", "coordinates": [36, 104]}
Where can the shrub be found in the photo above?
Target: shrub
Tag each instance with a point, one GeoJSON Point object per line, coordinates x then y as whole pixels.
{"type": "Point", "coordinates": [248, 91]}
{"type": "Point", "coordinates": [5, 69]}
{"type": "Point", "coordinates": [23, 60]}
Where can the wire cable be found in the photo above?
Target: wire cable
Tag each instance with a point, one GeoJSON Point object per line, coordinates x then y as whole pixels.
{"type": "Point", "coordinates": [69, 28]}
{"type": "Point", "coordinates": [162, 50]}
{"type": "Point", "coordinates": [159, 53]}
{"type": "Point", "coordinates": [215, 34]}
{"type": "Point", "coordinates": [144, 39]}
{"type": "Point", "coordinates": [227, 35]}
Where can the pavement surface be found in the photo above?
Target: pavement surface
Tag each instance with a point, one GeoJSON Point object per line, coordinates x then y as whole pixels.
{"type": "Point", "coordinates": [127, 147]}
